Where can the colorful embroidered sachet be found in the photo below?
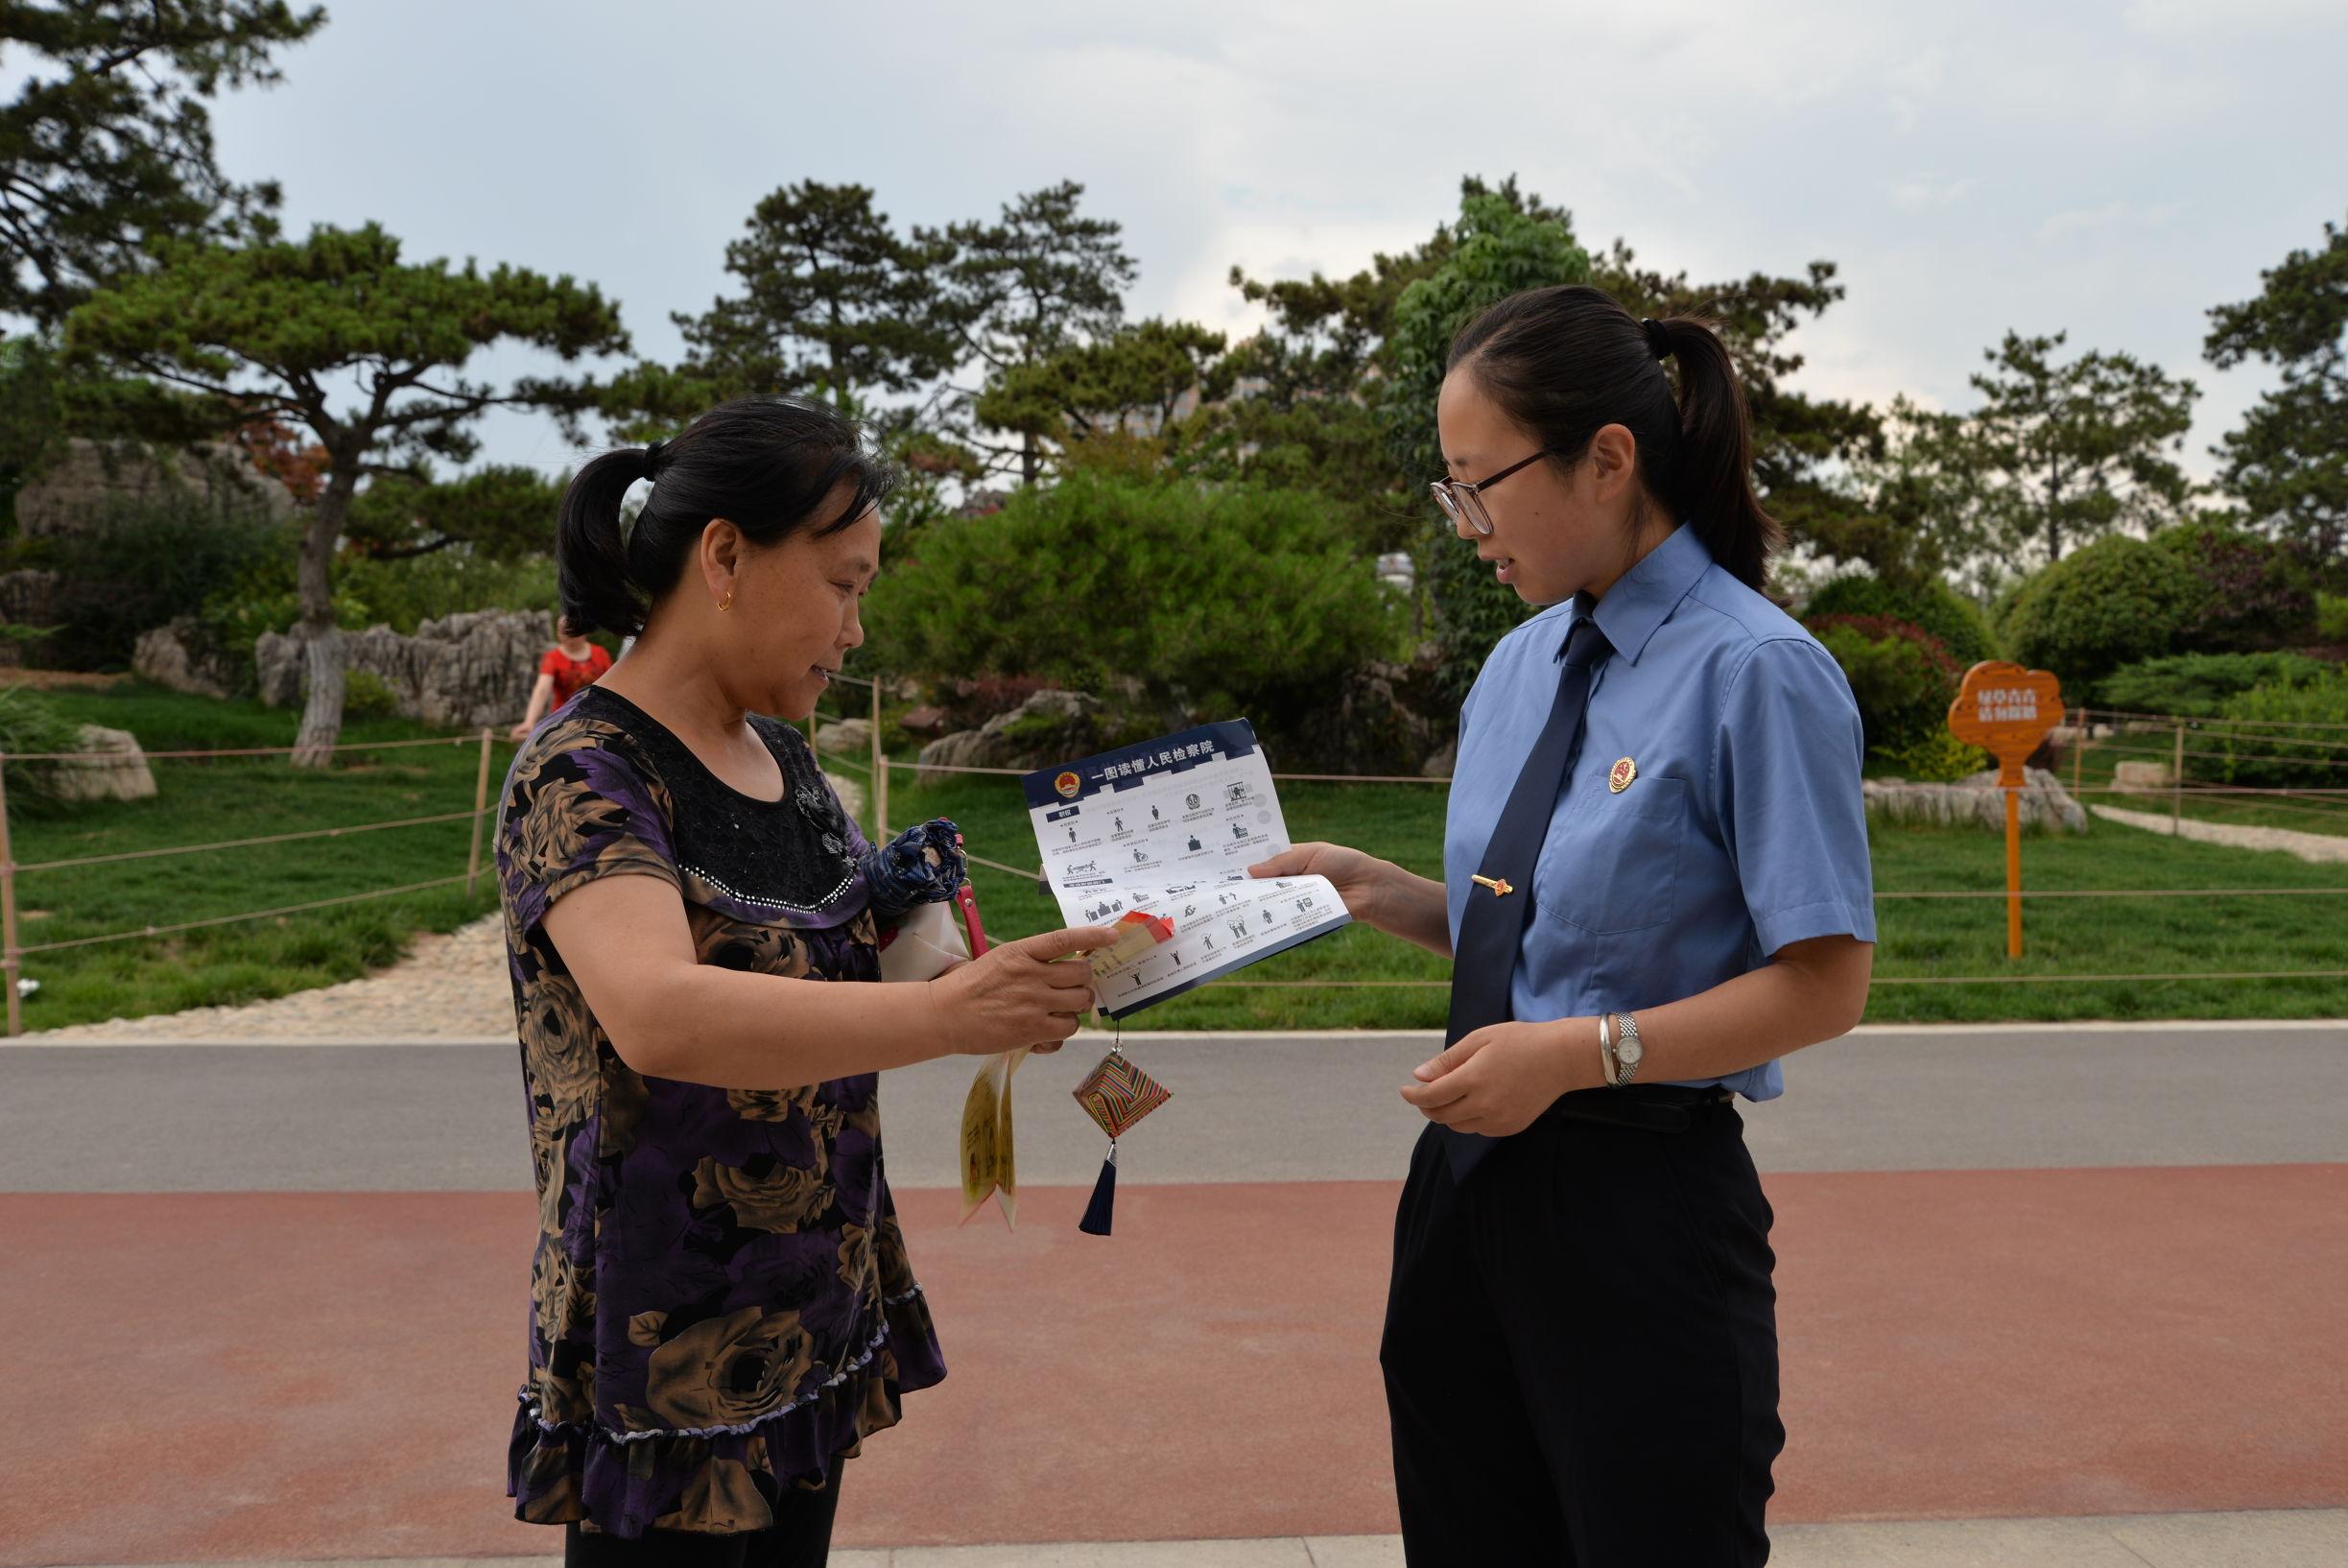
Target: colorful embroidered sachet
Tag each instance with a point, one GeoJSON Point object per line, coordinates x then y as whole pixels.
{"type": "Point", "coordinates": [1116, 1095]}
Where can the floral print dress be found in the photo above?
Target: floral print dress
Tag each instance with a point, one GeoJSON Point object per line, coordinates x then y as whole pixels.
{"type": "Point", "coordinates": [720, 1304]}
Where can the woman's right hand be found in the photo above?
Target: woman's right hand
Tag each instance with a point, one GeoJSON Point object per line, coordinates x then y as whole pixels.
{"type": "Point", "coordinates": [1027, 992]}
{"type": "Point", "coordinates": [1361, 880]}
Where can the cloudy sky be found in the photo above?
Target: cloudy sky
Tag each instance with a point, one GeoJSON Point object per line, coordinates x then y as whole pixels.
{"type": "Point", "coordinates": [2111, 168]}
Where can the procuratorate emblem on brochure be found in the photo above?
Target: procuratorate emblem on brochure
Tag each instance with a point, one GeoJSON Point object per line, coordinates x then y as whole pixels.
{"type": "Point", "coordinates": [1624, 773]}
{"type": "Point", "coordinates": [1168, 828]}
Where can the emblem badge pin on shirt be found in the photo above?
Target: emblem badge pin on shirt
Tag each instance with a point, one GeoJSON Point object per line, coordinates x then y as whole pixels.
{"type": "Point", "coordinates": [1620, 779]}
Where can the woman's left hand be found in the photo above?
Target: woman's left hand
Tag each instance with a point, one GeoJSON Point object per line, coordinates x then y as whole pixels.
{"type": "Point", "coordinates": [1499, 1080]}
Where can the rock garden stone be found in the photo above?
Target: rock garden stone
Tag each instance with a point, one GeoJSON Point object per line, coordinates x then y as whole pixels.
{"type": "Point", "coordinates": [118, 772]}
{"type": "Point", "coordinates": [1975, 802]}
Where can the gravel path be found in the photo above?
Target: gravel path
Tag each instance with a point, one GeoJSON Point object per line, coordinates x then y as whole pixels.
{"type": "Point", "coordinates": [2321, 849]}
{"type": "Point", "coordinates": [451, 987]}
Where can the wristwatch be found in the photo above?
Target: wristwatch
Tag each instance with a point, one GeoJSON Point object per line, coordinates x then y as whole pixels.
{"type": "Point", "coordinates": [1627, 1049]}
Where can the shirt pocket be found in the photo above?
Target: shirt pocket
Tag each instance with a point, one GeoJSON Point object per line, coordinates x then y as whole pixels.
{"type": "Point", "coordinates": [1612, 861]}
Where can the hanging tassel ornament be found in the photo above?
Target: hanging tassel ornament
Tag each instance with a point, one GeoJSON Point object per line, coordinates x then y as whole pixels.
{"type": "Point", "coordinates": [1116, 1095]}
{"type": "Point", "coordinates": [1103, 1209]}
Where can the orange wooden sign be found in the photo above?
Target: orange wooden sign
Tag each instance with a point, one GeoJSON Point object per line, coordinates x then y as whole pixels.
{"type": "Point", "coordinates": [2007, 711]}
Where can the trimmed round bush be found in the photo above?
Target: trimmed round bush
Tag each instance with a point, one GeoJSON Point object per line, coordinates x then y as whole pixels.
{"type": "Point", "coordinates": [2107, 605]}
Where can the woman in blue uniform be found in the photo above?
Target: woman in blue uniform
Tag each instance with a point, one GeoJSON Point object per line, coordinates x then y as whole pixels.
{"type": "Point", "coordinates": [1655, 885]}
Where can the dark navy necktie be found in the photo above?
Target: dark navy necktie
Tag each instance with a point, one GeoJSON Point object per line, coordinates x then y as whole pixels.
{"type": "Point", "coordinates": [1484, 960]}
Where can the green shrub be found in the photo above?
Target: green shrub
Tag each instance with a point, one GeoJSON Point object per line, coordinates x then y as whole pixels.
{"type": "Point", "coordinates": [1956, 621]}
{"type": "Point", "coordinates": [142, 565]}
{"type": "Point", "coordinates": [404, 594]}
{"type": "Point", "coordinates": [1901, 689]}
{"type": "Point", "coordinates": [30, 721]}
{"type": "Point", "coordinates": [1220, 601]}
{"type": "Point", "coordinates": [2282, 758]}
{"type": "Point", "coordinates": [366, 696]}
{"type": "Point", "coordinates": [2107, 605]}
{"type": "Point", "coordinates": [2332, 617]}
{"type": "Point", "coordinates": [2198, 685]}
{"type": "Point", "coordinates": [1938, 758]}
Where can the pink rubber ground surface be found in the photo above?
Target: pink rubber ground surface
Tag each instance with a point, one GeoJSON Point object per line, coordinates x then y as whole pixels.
{"type": "Point", "coordinates": [292, 1375]}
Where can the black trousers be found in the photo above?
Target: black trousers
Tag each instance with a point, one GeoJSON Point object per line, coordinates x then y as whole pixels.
{"type": "Point", "coordinates": [1580, 1350]}
{"type": "Point", "coordinates": [800, 1537]}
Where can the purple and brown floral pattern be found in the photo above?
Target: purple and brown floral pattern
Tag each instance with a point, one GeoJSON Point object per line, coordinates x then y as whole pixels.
{"type": "Point", "coordinates": [720, 1303]}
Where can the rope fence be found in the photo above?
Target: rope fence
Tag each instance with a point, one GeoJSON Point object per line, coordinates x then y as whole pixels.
{"type": "Point", "coordinates": [2314, 800]}
{"type": "Point", "coordinates": [143, 932]}
{"type": "Point", "coordinates": [2318, 799]}
{"type": "Point", "coordinates": [13, 952]}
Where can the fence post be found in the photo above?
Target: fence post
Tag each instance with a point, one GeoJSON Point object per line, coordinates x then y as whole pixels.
{"type": "Point", "coordinates": [481, 807]}
{"type": "Point", "coordinates": [2079, 750]}
{"type": "Point", "coordinates": [880, 771]}
{"type": "Point", "coordinates": [2176, 787]}
{"type": "Point", "coordinates": [8, 963]}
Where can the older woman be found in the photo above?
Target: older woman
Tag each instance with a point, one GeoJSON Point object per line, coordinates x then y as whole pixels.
{"type": "Point", "coordinates": [721, 1304]}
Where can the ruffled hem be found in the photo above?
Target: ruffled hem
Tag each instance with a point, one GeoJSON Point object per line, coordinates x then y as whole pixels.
{"type": "Point", "coordinates": [626, 1484]}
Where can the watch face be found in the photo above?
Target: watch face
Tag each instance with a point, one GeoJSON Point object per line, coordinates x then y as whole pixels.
{"type": "Point", "coordinates": [1629, 1051]}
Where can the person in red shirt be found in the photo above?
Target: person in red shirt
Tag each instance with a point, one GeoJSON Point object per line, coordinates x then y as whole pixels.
{"type": "Point", "coordinates": [570, 667]}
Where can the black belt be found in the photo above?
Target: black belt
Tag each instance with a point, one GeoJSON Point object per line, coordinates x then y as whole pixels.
{"type": "Point", "coordinates": [1649, 1108]}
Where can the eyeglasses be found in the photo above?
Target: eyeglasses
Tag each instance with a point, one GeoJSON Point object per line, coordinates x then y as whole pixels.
{"type": "Point", "coordinates": [1463, 502]}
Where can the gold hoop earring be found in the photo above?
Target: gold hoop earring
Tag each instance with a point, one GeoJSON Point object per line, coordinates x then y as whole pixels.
{"type": "Point", "coordinates": [727, 602]}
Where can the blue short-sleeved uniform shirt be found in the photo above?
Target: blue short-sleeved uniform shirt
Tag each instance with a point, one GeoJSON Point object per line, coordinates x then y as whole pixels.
{"type": "Point", "coordinates": [1743, 830]}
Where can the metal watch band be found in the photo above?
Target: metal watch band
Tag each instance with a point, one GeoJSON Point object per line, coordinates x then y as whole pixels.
{"type": "Point", "coordinates": [1626, 1069]}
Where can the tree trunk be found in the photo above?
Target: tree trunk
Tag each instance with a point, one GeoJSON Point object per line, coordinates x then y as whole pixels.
{"type": "Point", "coordinates": [321, 709]}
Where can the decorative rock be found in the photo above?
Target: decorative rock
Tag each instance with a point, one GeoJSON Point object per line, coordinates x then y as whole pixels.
{"type": "Point", "coordinates": [1049, 726]}
{"type": "Point", "coordinates": [90, 479]}
{"type": "Point", "coordinates": [845, 737]}
{"type": "Point", "coordinates": [1975, 802]}
{"type": "Point", "coordinates": [2133, 777]}
{"type": "Point", "coordinates": [1444, 762]}
{"type": "Point", "coordinates": [181, 656]}
{"type": "Point", "coordinates": [458, 671]}
{"type": "Point", "coordinates": [121, 773]}
{"type": "Point", "coordinates": [1375, 723]}
{"type": "Point", "coordinates": [26, 596]}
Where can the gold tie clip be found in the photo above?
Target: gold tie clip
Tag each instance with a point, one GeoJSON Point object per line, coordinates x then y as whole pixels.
{"type": "Point", "coordinates": [1499, 885]}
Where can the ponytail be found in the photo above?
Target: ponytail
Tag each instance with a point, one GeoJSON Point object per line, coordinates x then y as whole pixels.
{"type": "Point", "coordinates": [766, 464]}
{"type": "Point", "coordinates": [599, 592]}
{"type": "Point", "coordinates": [1566, 361]}
{"type": "Point", "coordinates": [1713, 482]}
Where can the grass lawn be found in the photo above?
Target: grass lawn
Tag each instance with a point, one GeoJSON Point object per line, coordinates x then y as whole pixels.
{"type": "Point", "coordinates": [203, 801]}
{"type": "Point", "coordinates": [1920, 939]}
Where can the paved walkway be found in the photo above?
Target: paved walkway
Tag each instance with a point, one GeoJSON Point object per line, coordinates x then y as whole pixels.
{"type": "Point", "coordinates": [2313, 1537]}
{"type": "Point", "coordinates": [2321, 849]}
{"type": "Point", "coordinates": [233, 1296]}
